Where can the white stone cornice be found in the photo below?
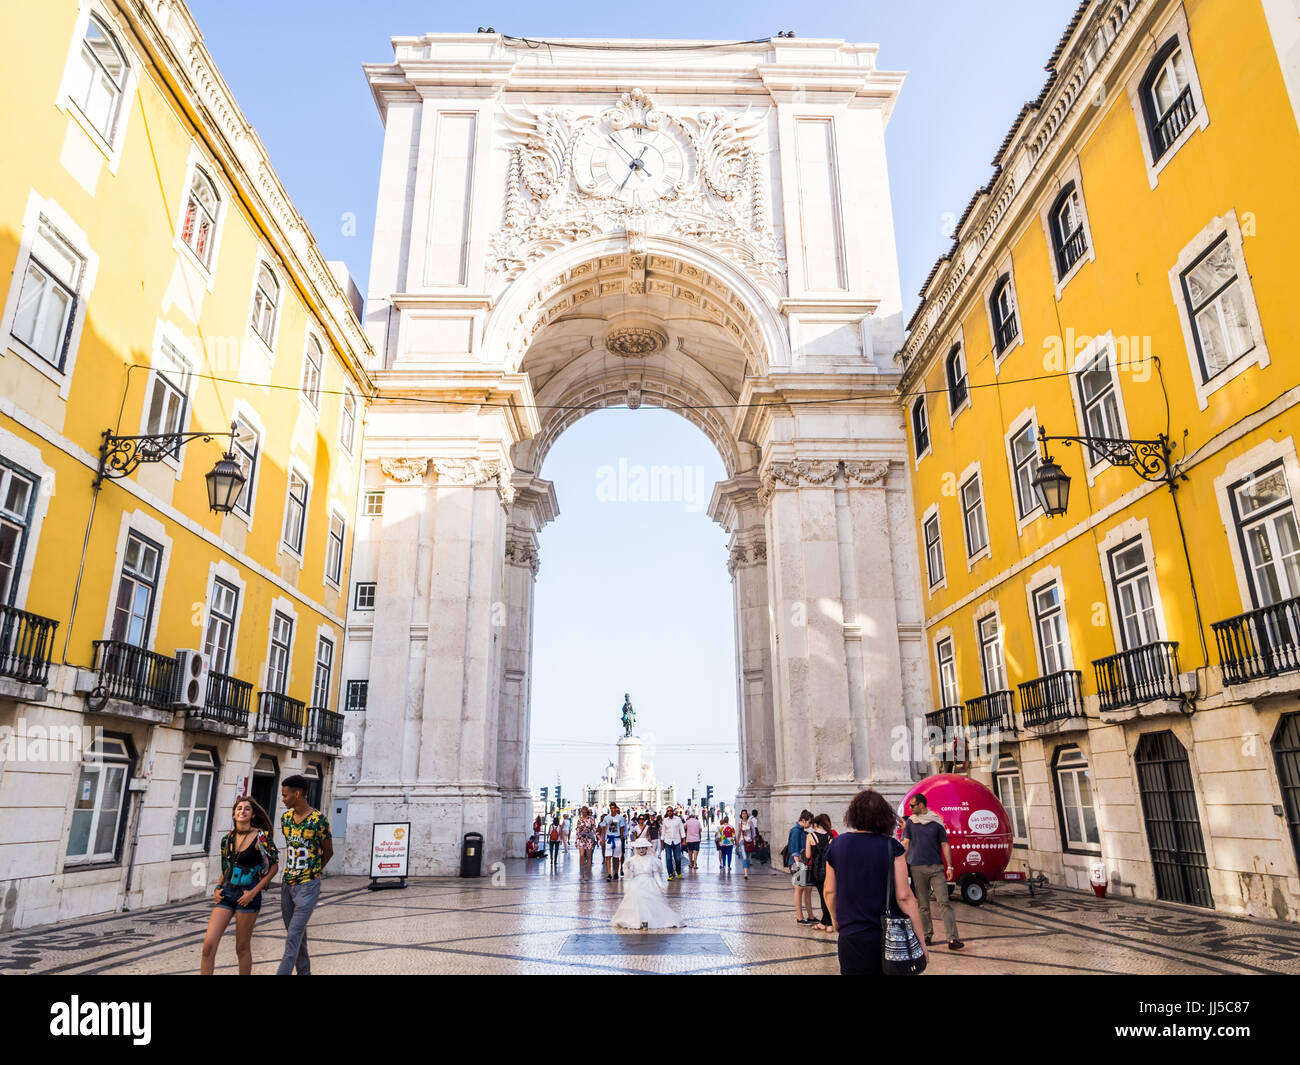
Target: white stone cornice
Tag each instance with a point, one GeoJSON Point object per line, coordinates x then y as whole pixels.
{"type": "Point", "coordinates": [866, 473]}
{"type": "Point", "coordinates": [475, 472]}
{"type": "Point", "coordinates": [404, 470]}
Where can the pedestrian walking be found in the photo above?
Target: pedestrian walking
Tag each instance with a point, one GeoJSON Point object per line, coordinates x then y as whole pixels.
{"type": "Point", "coordinates": [859, 862]}
{"type": "Point", "coordinates": [795, 845]}
{"type": "Point", "coordinates": [726, 840]}
{"type": "Point", "coordinates": [746, 840]}
{"type": "Point", "coordinates": [671, 835]}
{"type": "Point", "coordinates": [929, 859]}
{"type": "Point", "coordinates": [693, 831]}
{"type": "Point", "coordinates": [586, 840]}
{"type": "Point", "coordinates": [817, 842]}
{"type": "Point", "coordinates": [565, 826]}
{"type": "Point", "coordinates": [553, 839]}
{"type": "Point", "coordinates": [613, 829]}
{"type": "Point", "coordinates": [249, 861]}
{"type": "Point", "coordinates": [308, 848]}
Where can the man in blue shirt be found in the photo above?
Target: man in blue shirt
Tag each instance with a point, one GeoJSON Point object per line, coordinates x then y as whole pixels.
{"type": "Point", "coordinates": [799, 868]}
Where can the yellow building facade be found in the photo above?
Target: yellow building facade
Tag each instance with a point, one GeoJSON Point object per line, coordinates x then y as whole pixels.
{"type": "Point", "coordinates": [1132, 665]}
{"type": "Point", "coordinates": [158, 659]}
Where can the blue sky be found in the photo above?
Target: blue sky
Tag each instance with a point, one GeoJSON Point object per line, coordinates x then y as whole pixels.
{"type": "Point", "coordinates": [633, 596]}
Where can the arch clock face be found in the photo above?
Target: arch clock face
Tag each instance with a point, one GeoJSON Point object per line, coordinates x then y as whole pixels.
{"type": "Point", "coordinates": [635, 165]}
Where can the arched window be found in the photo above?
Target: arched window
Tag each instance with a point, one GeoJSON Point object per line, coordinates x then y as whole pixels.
{"type": "Point", "coordinates": [199, 226]}
{"type": "Point", "coordinates": [1002, 307]}
{"type": "Point", "coordinates": [955, 370]}
{"type": "Point", "coordinates": [920, 426]}
{"type": "Point", "coordinates": [311, 371]}
{"type": "Point", "coordinates": [99, 78]}
{"type": "Point", "coordinates": [1167, 100]}
{"type": "Point", "coordinates": [266, 301]}
{"type": "Point", "coordinates": [1069, 241]}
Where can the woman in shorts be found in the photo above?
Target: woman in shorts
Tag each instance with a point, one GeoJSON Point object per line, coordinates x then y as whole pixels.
{"type": "Point", "coordinates": [249, 861]}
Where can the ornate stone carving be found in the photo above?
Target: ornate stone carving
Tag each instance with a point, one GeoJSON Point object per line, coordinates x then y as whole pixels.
{"type": "Point", "coordinates": [866, 473]}
{"type": "Point", "coordinates": [751, 554]}
{"type": "Point", "coordinates": [634, 395]}
{"type": "Point", "coordinates": [635, 342]}
{"type": "Point", "coordinates": [403, 470]}
{"type": "Point", "coordinates": [475, 472]}
{"type": "Point", "coordinates": [521, 552]}
{"type": "Point", "coordinates": [793, 474]}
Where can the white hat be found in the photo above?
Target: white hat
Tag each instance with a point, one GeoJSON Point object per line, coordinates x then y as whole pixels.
{"type": "Point", "coordinates": [637, 844]}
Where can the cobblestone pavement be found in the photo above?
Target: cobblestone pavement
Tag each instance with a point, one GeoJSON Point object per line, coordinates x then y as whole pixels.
{"type": "Point", "coordinates": [531, 920]}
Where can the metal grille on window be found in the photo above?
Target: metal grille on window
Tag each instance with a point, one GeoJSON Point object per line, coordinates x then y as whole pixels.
{"type": "Point", "coordinates": [358, 691]}
{"type": "Point", "coordinates": [1172, 819]}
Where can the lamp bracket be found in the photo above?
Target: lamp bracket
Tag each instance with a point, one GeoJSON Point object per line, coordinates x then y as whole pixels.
{"type": "Point", "coordinates": [121, 456]}
{"type": "Point", "coordinates": [1149, 459]}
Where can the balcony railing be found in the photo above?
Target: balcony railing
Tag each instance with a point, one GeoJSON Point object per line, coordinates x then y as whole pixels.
{"type": "Point", "coordinates": [950, 721]}
{"type": "Point", "coordinates": [997, 710]}
{"type": "Point", "coordinates": [1138, 676]}
{"type": "Point", "coordinates": [1175, 120]}
{"type": "Point", "coordinates": [1005, 330]}
{"type": "Point", "coordinates": [324, 727]}
{"type": "Point", "coordinates": [1071, 251]}
{"type": "Point", "coordinates": [127, 672]}
{"type": "Point", "coordinates": [1055, 697]}
{"type": "Point", "coordinates": [228, 701]}
{"type": "Point", "coordinates": [26, 641]}
{"type": "Point", "coordinates": [1261, 643]}
{"type": "Point", "coordinates": [279, 715]}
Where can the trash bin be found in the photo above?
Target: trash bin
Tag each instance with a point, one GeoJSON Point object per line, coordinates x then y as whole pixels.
{"type": "Point", "coordinates": [471, 854]}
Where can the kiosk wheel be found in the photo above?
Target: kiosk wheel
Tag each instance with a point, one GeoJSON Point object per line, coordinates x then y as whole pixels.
{"type": "Point", "coordinates": [974, 890]}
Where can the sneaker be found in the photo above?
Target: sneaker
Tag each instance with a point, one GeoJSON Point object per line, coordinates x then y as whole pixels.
{"type": "Point", "coordinates": [928, 939]}
{"type": "Point", "coordinates": [955, 944]}
{"type": "Point", "coordinates": [671, 877]}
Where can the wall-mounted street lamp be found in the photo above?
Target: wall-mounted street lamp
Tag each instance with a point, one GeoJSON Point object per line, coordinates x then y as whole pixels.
{"type": "Point", "coordinates": [1149, 459]}
{"type": "Point", "coordinates": [120, 456]}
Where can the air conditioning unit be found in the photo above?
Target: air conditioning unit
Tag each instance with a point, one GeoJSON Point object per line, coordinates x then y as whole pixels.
{"type": "Point", "coordinates": [191, 680]}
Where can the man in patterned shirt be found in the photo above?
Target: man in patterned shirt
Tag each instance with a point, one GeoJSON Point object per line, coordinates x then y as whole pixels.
{"type": "Point", "coordinates": [307, 849]}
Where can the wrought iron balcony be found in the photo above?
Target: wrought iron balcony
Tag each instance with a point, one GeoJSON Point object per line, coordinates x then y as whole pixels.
{"type": "Point", "coordinates": [324, 727]}
{"type": "Point", "coordinates": [228, 701]}
{"type": "Point", "coordinates": [279, 715]}
{"type": "Point", "coordinates": [950, 721]}
{"type": "Point", "coordinates": [1055, 697]}
{"type": "Point", "coordinates": [125, 671]}
{"type": "Point", "coordinates": [1005, 330]}
{"type": "Point", "coordinates": [1174, 121]}
{"type": "Point", "coordinates": [1138, 676]}
{"type": "Point", "coordinates": [1071, 251]}
{"type": "Point", "coordinates": [1260, 643]}
{"type": "Point", "coordinates": [997, 710]}
{"type": "Point", "coordinates": [26, 641]}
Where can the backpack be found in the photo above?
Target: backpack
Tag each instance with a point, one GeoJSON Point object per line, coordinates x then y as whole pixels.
{"type": "Point", "coordinates": [555, 834]}
{"type": "Point", "coordinates": [819, 862]}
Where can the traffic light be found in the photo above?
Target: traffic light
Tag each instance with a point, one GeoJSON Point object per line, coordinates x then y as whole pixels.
{"type": "Point", "coordinates": [708, 794]}
{"type": "Point", "coordinates": [545, 794]}
{"type": "Point", "coordinates": [558, 801]}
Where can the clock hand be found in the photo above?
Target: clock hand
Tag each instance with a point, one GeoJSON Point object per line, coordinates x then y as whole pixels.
{"type": "Point", "coordinates": [619, 146]}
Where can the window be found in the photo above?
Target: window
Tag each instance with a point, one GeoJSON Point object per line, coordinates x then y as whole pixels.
{"type": "Point", "coordinates": [17, 505]}
{"type": "Point", "coordinates": [920, 427]}
{"type": "Point", "coordinates": [348, 422]}
{"type": "Point", "coordinates": [311, 372]}
{"type": "Point", "coordinates": [1069, 241]}
{"type": "Point", "coordinates": [47, 303]}
{"type": "Point", "coordinates": [365, 598]}
{"type": "Point", "coordinates": [947, 673]}
{"type": "Point", "coordinates": [1167, 101]}
{"type": "Point", "coordinates": [1049, 624]}
{"type": "Point", "coordinates": [199, 225]}
{"type": "Point", "coordinates": [313, 774]}
{"type": "Point", "coordinates": [1002, 307]}
{"type": "Point", "coordinates": [266, 300]}
{"type": "Point", "coordinates": [1024, 468]}
{"type": "Point", "coordinates": [334, 550]}
{"type": "Point", "coordinates": [99, 79]}
{"type": "Point", "coordinates": [374, 504]}
{"type": "Point", "coordinates": [222, 611]}
{"type": "Point", "coordinates": [277, 668]}
{"type": "Point", "coordinates": [1099, 405]}
{"type": "Point", "coordinates": [1268, 534]}
{"type": "Point", "coordinates": [358, 690]}
{"type": "Point", "coordinates": [1217, 308]}
{"type": "Point", "coordinates": [933, 550]}
{"type": "Point", "coordinates": [992, 663]}
{"type": "Point", "coordinates": [1134, 599]}
{"type": "Point", "coordinates": [1011, 793]}
{"type": "Point", "coordinates": [1074, 794]}
{"type": "Point", "coordinates": [198, 790]}
{"type": "Point", "coordinates": [169, 391]}
{"type": "Point", "coordinates": [955, 370]}
{"type": "Point", "coordinates": [136, 589]}
{"type": "Point", "coordinates": [295, 512]}
{"type": "Point", "coordinates": [99, 803]}
{"type": "Point", "coordinates": [320, 686]}
{"type": "Point", "coordinates": [248, 442]}
{"type": "Point", "coordinates": [972, 508]}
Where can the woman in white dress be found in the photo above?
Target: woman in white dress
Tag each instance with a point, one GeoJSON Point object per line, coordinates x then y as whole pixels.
{"type": "Point", "coordinates": [643, 905]}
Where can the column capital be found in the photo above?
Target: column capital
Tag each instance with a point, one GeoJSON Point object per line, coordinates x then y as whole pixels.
{"type": "Point", "coordinates": [404, 469]}
{"type": "Point", "coordinates": [475, 472]}
{"type": "Point", "coordinates": [749, 552]}
{"type": "Point", "coordinates": [521, 550]}
{"type": "Point", "coordinates": [798, 473]}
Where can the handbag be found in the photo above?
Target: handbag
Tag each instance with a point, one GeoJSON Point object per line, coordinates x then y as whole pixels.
{"type": "Point", "coordinates": [901, 953]}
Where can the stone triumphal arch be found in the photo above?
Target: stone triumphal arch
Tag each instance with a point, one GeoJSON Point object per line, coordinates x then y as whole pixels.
{"type": "Point", "coordinates": [565, 226]}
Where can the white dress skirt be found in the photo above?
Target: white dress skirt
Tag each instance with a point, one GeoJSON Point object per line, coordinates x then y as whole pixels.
{"type": "Point", "coordinates": [643, 901]}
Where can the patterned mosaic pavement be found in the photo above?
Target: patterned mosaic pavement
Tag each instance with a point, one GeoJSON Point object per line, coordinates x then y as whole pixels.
{"type": "Point", "coordinates": [531, 920]}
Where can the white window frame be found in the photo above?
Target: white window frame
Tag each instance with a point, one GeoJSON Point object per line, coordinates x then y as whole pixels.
{"type": "Point", "coordinates": [312, 397]}
{"type": "Point", "coordinates": [958, 346]}
{"type": "Point", "coordinates": [37, 209]}
{"type": "Point", "coordinates": [1097, 347]}
{"type": "Point", "coordinates": [1256, 356]}
{"type": "Point", "coordinates": [356, 594]}
{"type": "Point", "coordinates": [1071, 771]}
{"type": "Point", "coordinates": [169, 340]}
{"type": "Point", "coordinates": [348, 440]}
{"type": "Point", "coordinates": [1040, 580]}
{"type": "Point", "coordinates": [280, 605]}
{"type": "Point", "coordinates": [929, 429]}
{"type": "Point", "coordinates": [267, 348]}
{"type": "Point", "coordinates": [247, 416]}
{"type": "Point", "coordinates": [367, 497]}
{"type": "Point", "coordinates": [142, 524]}
{"type": "Point", "coordinates": [1257, 458]}
{"type": "Point", "coordinates": [102, 756]}
{"type": "Point", "coordinates": [200, 763]}
{"type": "Point", "coordinates": [942, 638]}
{"type": "Point", "coordinates": [27, 458]}
{"type": "Point", "coordinates": [932, 512]}
{"type": "Point", "coordinates": [1017, 424]}
{"type": "Point", "coordinates": [335, 581]}
{"type": "Point", "coordinates": [969, 474]}
{"type": "Point", "coordinates": [1071, 174]}
{"type": "Point", "coordinates": [983, 614]}
{"type": "Point", "coordinates": [1005, 268]}
{"type": "Point", "coordinates": [110, 146]}
{"type": "Point", "coordinates": [298, 469]}
{"type": "Point", "coordinates": [1133, 528]}
{"type": "Point", "coordinates": [1174, 26]}
{"type": "Point", "coordinates": [325, 636]}
{"type": "Point", "coordinates": [1008, 768]}
{"type": "Point", "coordinates": [226, 573]}
{"type": "Point", "coordinates": [199, 161]}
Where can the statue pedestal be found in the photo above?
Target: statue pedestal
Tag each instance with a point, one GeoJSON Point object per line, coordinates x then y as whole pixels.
{"type": "Point", "coordinates": [629, 763]}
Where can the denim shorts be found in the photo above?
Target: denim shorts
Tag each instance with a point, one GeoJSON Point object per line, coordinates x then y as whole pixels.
{"type": "Point", "coordinates": [230, 900]}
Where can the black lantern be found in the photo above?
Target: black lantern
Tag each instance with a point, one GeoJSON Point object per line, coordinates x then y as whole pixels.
{"type": "Point", "coordinates": [225, 483]}
{"type": "Point", "coordinates": [1053, 487]}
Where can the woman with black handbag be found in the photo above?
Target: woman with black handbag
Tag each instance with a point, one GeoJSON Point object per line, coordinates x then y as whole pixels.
{"type": "Point", "coordinates": [815, 849]}
{"type": "Point", "coordinates": [866, 872]}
